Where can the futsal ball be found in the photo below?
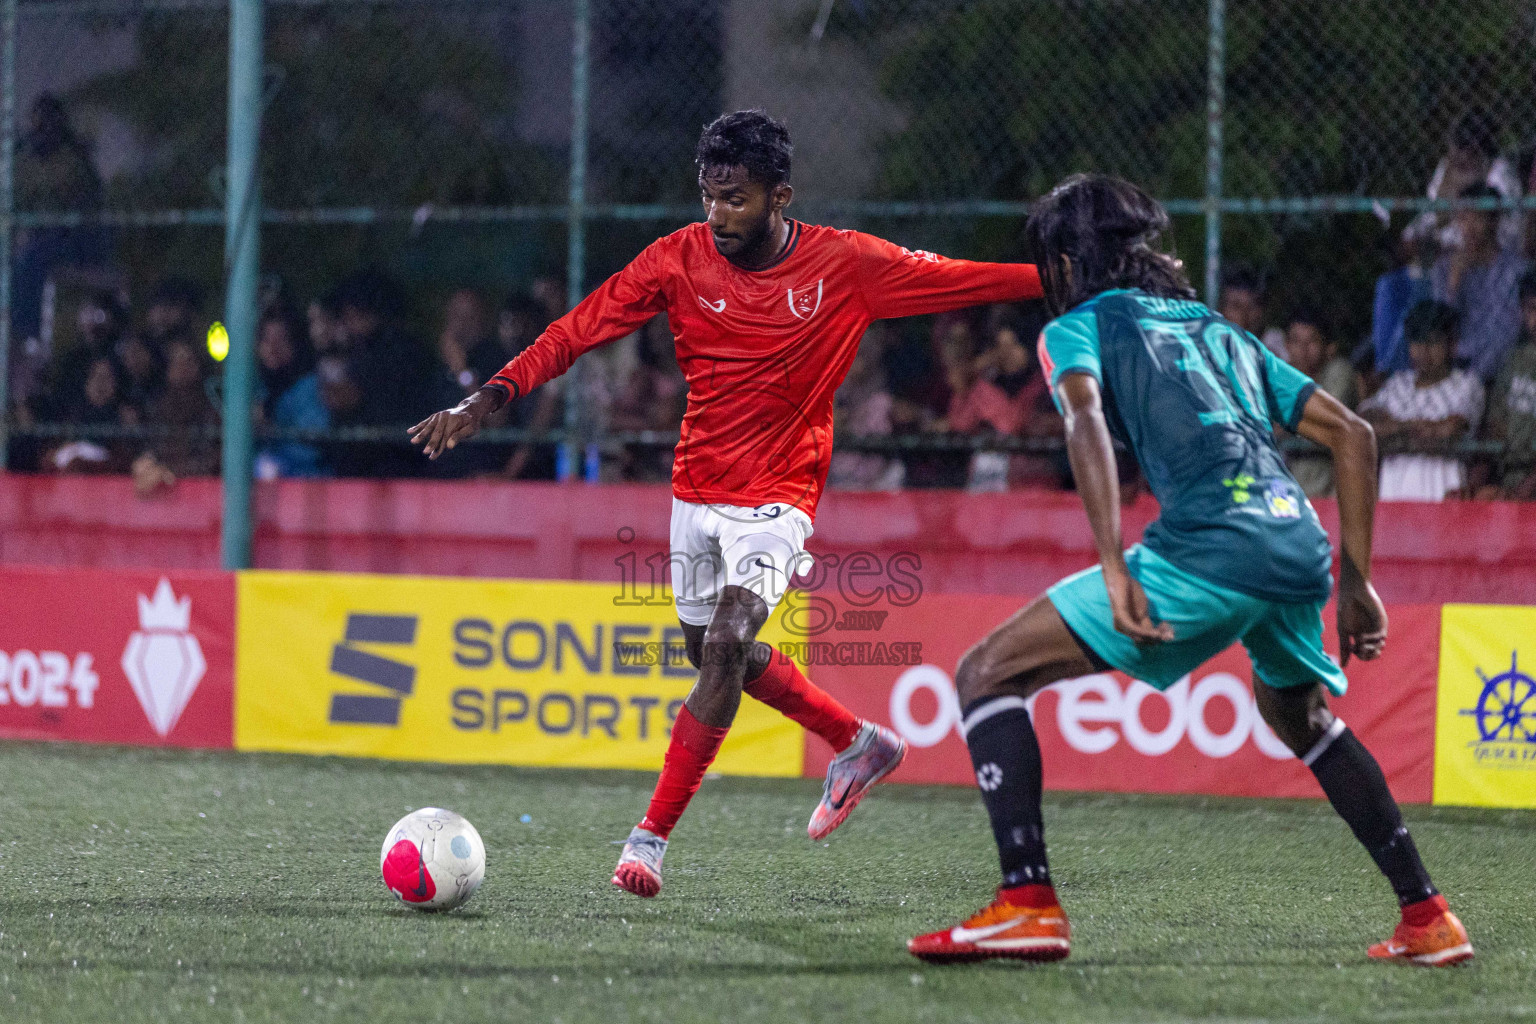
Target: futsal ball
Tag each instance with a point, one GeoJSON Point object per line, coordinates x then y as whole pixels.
{"type": "Point", "coordinates": [433, 859]}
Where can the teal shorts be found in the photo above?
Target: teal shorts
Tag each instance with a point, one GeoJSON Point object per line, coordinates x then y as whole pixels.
{"type": "Point", "coordinates": [1285, 641]}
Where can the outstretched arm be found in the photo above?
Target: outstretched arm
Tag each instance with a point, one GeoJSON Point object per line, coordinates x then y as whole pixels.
{"type": "Point", "coordinates": [905, 282]}
{"type": "Point", "coordinates": [1362, 618]}
{"type": "Point", "coordinates": [624, 302]}
{"type": "Point", "coordinates": [1092, 454]}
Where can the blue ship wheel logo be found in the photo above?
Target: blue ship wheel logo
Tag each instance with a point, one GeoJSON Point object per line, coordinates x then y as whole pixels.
{"type": "Point", "coordinates": [1506, 709]}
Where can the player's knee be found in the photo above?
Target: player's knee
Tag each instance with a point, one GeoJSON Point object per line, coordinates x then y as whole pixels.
{"type": "Point", "coordinates": [731, 631]}
{"type": "Point", "coordinates": [975, 675]}
{"type": "Point", "coordinates": [1299, 716]}
{"type": "Point", "coordinates": [738, 616]}
{"type": "Point", "coordinates": [1318, 720]}
{"type": "Point", "coordinates": [730, 638]}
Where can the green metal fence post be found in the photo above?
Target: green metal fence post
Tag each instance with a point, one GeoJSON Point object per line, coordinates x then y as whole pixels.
{"type": "Point", "coordinates": [576, 215]}
{"type": "Point", "coordinates": [7, 211]}
{"type": "Point", "coordinates": [242, 262]}
{"type": "Point", "coordinates": [1215, 114]}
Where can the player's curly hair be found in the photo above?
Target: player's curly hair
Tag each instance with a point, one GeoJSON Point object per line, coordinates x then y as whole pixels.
{"type": "Point", "coordinates": [1108, 228]}
{"type": "Point", "coordinates": [749, 139]}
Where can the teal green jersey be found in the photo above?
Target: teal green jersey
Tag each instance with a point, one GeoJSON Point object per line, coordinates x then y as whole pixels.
{"type": "Point", "coordinates": [1195, 398]}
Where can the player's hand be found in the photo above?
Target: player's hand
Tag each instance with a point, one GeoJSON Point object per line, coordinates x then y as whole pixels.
{"type": "Point", "coordinates": [1132, 610]}
{"type": "Point", "coordinates": [443, 430]}
{"type": "Point", "coordinates": [1362, 617]}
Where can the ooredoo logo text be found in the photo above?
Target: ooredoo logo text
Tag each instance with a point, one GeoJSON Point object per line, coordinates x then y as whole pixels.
{"type": "Point", "coordinates": [1096, 712]}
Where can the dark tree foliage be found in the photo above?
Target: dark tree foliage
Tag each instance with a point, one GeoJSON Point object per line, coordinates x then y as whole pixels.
{"type": "Point", "coordinates": [1002, 98]}
{"type": "Point", "coordinates": [369, 105]}
{"type": "Point", "coordinates": [656, 81]}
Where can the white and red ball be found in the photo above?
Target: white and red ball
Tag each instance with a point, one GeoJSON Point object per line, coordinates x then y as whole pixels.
{"type": "Point", "coordinates": [433, 859]}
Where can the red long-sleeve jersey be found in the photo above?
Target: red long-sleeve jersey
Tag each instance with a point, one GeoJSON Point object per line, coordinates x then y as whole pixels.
{"type": "Point", "coordinates": [763, 350]}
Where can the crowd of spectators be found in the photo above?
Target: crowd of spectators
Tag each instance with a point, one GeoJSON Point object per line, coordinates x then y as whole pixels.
{"type": "Point", "coordinates": [933, 390]}
{"type": "Point", "coordinates": [975, 376]}
{"type": "Point", "coordinates": [1451, 355]}
{"type": "Point", "coordinates": [1436, 392]}
{"type": "Point", "coordinates": [347, 359]}
{"type": "Point", "coordinates": [344, 360]}
{"type": "Point", "coordinates": [957, 400]}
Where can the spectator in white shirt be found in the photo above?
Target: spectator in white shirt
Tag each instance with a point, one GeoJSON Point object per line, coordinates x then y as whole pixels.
{"type": "Point", "coordinates": [1428, 408]}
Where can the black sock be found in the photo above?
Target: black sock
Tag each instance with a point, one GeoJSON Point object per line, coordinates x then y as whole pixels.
{"type": "Point", "coordinates": [1006, 756]}
{"type": "Point", "coordinates": [1355, 786]}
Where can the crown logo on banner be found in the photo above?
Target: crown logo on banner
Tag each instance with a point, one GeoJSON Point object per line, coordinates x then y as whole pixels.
{"type": "Point", "coordinates": [163, 660]}
{"type": "Point", "coordinates": [165, 612]}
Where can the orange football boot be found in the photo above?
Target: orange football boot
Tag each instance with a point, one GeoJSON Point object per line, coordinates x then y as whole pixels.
{"type": "Point", "coordinates": [999, 930]}
{"type": "Point", "coordinates": [1439, 943]}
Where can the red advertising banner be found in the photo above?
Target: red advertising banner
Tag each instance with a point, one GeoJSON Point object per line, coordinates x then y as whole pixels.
{"type": "Point", "coordinates": [1105, 731]}
{"type": "Point", "coordinates": [117, 657]}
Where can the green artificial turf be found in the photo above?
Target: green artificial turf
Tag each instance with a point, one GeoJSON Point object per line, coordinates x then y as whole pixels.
{"type": "Point", "coordinates": [166, 886]}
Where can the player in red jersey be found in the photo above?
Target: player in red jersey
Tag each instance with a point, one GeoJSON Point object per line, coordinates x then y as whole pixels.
{"type": "Point", "coordinates": [767, 314]}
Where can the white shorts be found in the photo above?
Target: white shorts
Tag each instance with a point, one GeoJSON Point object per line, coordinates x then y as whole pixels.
{"type": "Point", "coordinates": [715, 546]}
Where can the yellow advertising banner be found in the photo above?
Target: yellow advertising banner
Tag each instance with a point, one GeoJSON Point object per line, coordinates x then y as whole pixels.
{"type": "Point", "coordinates": [1485, 719]}
{"type": "Point", "coordinates": [475, 671]}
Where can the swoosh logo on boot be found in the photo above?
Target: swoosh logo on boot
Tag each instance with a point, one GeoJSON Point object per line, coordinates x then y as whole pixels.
{"type": "Point", "coordinates": [838, 803]}
{"type": "Point", "coordinates": [960, 933]}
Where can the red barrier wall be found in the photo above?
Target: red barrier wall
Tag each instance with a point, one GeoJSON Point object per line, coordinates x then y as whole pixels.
{"type": "Point", "coordinates": [1016, 543]}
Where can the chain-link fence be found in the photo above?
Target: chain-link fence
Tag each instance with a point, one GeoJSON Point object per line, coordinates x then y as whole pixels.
{"type": "Point", "coordinates": [534, 146]}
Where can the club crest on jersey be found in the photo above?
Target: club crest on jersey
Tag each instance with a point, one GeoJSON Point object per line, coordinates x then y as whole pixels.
{"type": "Point", "coordinates": [805, 300]}
{"type": "Point", "coordinates": [1283, 503]}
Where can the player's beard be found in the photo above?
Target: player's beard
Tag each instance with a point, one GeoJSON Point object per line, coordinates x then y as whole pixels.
{"type": "Point", "coordinates": [752, 243]}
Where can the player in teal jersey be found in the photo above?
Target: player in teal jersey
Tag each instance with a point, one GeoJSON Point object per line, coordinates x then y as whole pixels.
{"type": "Point", "coordinates": [1237, 553]}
